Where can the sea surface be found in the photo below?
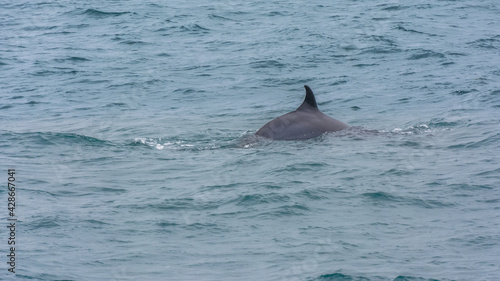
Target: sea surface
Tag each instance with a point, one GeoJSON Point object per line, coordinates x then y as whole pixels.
{"type": "Point", "coordinates": [130, 128]}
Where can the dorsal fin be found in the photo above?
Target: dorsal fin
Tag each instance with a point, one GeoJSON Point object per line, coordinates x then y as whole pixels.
{"type": "Point", "coordinates": [310, 100]}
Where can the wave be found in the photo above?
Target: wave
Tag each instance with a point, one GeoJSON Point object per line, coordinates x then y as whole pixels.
{"type": "Point", "coordinates": [189, 28]}
{"type": "Point", "coordinates": [427, 128]}
{"type": "Point", "coordinates": [346, 277]}
{"type": "Point", "coordinates": [200, 142]}
{"type": "Point", "coordinates": [490, 141]}
{"type": "Point", "coordinates": [385, 198]}
{"type": "Point", "coordinates": [72, 59]}
{"type": "Point", "coordinates": [93, 13]}
{"type": "Point", "coordinates": [339, 277]}
{"type": "Point", "coordinates": [268, 64]}
{"type": "Point", "coordinates": [6, 107]}
{"type": "Point", "coordinates": [296, 209]}
{"type": "Point", "coordinates": [402, 28]}
{"type": "Point", "coordinates": [487, 43]}
{"type": "Point", "coordinates": [173, 144]}
{"type": "Point", "coordinates": [395, 8]}
{"type": "Point", "coordinates": [54, 138]}
{"type": "Point", "coordinates": [256, 199]}
{"type": "Point", "coordinates": [425, 54]}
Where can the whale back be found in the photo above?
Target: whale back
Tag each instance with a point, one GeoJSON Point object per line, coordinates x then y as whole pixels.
{"type": "Point", "coordinates": [306, 122]}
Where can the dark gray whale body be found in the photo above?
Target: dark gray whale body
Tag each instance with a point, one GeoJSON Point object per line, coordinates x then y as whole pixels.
{"type": "Point", "coordinates": [305, 122]}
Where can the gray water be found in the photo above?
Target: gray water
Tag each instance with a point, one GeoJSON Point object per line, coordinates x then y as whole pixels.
{"type": "Point", "coordinates": [130, 124]}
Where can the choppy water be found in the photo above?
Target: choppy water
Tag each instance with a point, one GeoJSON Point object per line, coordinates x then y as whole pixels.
{"type": "Point", "coordinates": [128, 125]}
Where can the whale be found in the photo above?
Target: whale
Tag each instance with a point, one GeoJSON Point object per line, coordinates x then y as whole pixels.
{"type": "Point", "coordinates": [306, 122]}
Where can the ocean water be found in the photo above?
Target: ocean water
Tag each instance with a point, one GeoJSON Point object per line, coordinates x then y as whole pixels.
{"type": "Point", "coordinates": [130, 123]}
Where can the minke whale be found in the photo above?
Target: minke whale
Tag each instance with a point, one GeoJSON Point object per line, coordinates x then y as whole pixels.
{"type": "Point", "coordinates": [306, 122]}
